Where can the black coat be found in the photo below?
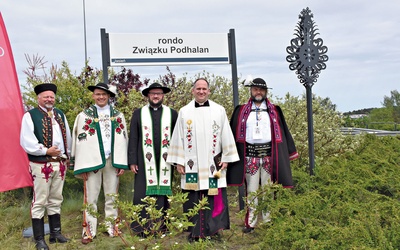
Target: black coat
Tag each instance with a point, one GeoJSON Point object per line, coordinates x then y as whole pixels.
{"type": "Point", "coordinates": [280, 154]}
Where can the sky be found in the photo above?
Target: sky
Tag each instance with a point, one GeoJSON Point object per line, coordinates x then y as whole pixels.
{"type": "Point", "coordinates": [363, 39]}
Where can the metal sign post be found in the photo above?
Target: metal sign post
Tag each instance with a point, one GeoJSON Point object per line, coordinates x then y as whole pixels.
{"type": "Point", "coordinates": [307, 57]}
{"type": "Point", "coordinates": [171, 49]}
{"type": "Point", "coordinates": [159, 49]}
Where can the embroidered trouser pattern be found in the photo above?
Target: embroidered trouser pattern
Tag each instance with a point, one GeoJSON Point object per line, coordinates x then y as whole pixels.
{"type": "Point", "coordinates": [107, 176]}
{"type": "Point", "coordinates": [257, 170]}
{"type": "Point", "coordinates": [48, 181]}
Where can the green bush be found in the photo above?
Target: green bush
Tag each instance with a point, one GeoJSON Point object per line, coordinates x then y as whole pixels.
{"type": "Point", "coordinates": [352, 202]}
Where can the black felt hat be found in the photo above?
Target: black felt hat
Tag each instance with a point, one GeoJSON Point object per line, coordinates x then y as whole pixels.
{"type": "Point", "coordinates": [155, 85]}
{"type": "Point", "coordinates": [45, 87]}
{"type": "Point", "coordinates": [102, 86]}
{"type": "Point", "coordinates": [257, 82]}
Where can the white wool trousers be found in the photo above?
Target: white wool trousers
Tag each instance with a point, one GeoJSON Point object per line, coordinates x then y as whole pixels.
{"type": "Point", "coordinates": [48, 182]}
{"type": "Point", "coordinates": [256, 175]}
{"type": "Point", "coordinates": [108, 177]}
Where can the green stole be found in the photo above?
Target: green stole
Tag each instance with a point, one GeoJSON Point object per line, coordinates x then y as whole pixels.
{"type": "Point", "coordinates": [158, 181]}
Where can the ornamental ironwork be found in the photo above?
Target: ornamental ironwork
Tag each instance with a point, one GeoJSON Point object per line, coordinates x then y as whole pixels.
{"type": "Point", "coordinates": [307, 54]}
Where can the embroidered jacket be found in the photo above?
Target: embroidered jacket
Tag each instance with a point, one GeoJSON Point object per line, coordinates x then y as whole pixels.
{"type": "Point", "coordinates": [87, 152]}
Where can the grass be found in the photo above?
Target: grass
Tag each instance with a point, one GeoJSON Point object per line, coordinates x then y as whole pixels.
{"type": "Point", "coordinates": [352, 202]}
{"type": "Point", "coordinates": [15, 218]}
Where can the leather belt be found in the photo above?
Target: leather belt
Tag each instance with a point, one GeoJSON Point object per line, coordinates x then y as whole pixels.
{"type": "Point", "coordinates": [51, 159]}
{"type": "Point", "coordinates": [258, 150]}
{"type": "Point", "coordinates": [56, 159]}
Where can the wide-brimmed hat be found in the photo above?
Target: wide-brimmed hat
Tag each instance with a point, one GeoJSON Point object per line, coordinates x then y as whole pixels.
{"type": "Point", "coordinates": [155, 85]}
{"type": "Point", "coordinates": [102, 86]}
{"type": "Point", "coordinates": [256, 82]}
{"type": "Point", "coordinates": [44, 87]}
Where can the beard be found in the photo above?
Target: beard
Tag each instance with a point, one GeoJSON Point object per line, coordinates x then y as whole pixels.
{"type": "Point", "coordinates": [258, 99]}
{"type": "Point", "coordinates": [155, 104]}
{"type": "Point", "coordinates": [48, 106]}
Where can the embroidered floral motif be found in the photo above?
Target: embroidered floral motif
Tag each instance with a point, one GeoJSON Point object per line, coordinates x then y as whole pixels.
{"type": "Point", "coordinates": [47, 169]}
{"type": "Point", "coordinates": [253, 164]}
{"type": "Point", "coordinates": [117, 121]}
{"type": "Point", "coordinates": [165, 141]}
{"type": "Point", "coordinates": [165, 181]}
{"type": "Point", "coordinates": [189, 135]}
{"type": "Point", "coordinates": [151, 181]}
{"type": "Point", "coordinates": [147, 140]}
{"type": "Point", "coordinates": [215, 128]}
{"type": "Point", "coordinates": [62, 170]}
{"type": "Point", "coordinates": [89, 126]}
{"type": "Point", "coordinates": [267, 164]}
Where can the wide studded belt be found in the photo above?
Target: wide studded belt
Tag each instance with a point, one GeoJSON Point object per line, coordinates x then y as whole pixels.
{"type": "Point", "coordinates": [258, 150]}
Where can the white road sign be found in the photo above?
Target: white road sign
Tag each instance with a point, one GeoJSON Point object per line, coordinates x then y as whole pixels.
{"type": "Point", "coordinates": [168, 49]}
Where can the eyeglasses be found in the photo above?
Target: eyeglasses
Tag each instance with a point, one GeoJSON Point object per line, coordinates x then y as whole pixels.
{"type": "Point", "coordinates": [155, 93]}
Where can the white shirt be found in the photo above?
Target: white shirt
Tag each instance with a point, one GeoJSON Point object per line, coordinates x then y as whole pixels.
{"type": "Point", "coordinates": [258, 121]}
{"type": "Point", "coordinates": [105, 127]}
{"type": "Point", "coordinates": [31, 144]}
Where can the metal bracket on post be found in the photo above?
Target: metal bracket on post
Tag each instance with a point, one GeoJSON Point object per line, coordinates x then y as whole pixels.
{"type": "Point", "coordinates": [307, 57]}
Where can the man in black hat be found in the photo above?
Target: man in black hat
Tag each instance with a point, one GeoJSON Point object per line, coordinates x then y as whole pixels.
{"type": "Point", "coordinates": [265, 145]}
{"type": "Point", "coordinates": [99, 149]}
{"type": "Point", "coordinates": [46, 138]}
{"type": "Point", "coordinates": [150, 131]}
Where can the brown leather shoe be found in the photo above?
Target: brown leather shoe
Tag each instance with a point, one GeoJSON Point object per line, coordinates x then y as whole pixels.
{"type": "Point", "coordinates": [86, 241]}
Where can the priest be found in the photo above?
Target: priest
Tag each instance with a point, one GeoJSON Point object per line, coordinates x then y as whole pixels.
{"type": "Point", "coordinates": [201, 147]}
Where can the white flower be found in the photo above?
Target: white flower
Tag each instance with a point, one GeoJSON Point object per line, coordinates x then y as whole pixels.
{"type": "Point", "coordinates": [113, 89]}
{"type": "Point", "coordinates": [248, 81]}
{"type": "Point", "coordinates": [132, 247]}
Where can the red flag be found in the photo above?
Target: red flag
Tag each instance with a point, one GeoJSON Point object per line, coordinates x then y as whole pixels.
{"type": "Point", "coordinates": [14, 164]}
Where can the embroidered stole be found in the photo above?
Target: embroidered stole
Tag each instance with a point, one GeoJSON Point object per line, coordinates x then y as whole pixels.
{"type": "Point", "coordinates": [202, 134]}
{"type": "Point", "coordinates": [158, 181]}
{"type": "Point", "coordinates": [244, 114]}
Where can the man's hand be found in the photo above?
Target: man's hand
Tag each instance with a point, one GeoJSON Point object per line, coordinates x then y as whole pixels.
{"type": "Point", "coordinates": [134, 168]}
{"type": "Point", "coordinates": [223, 165]}
{"type": "Point", "coordinates": [180, 169]}
{"type": "Point", "coordinates": [120, 172]}
{"type": "Point", "coordinates": [53, 151]}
